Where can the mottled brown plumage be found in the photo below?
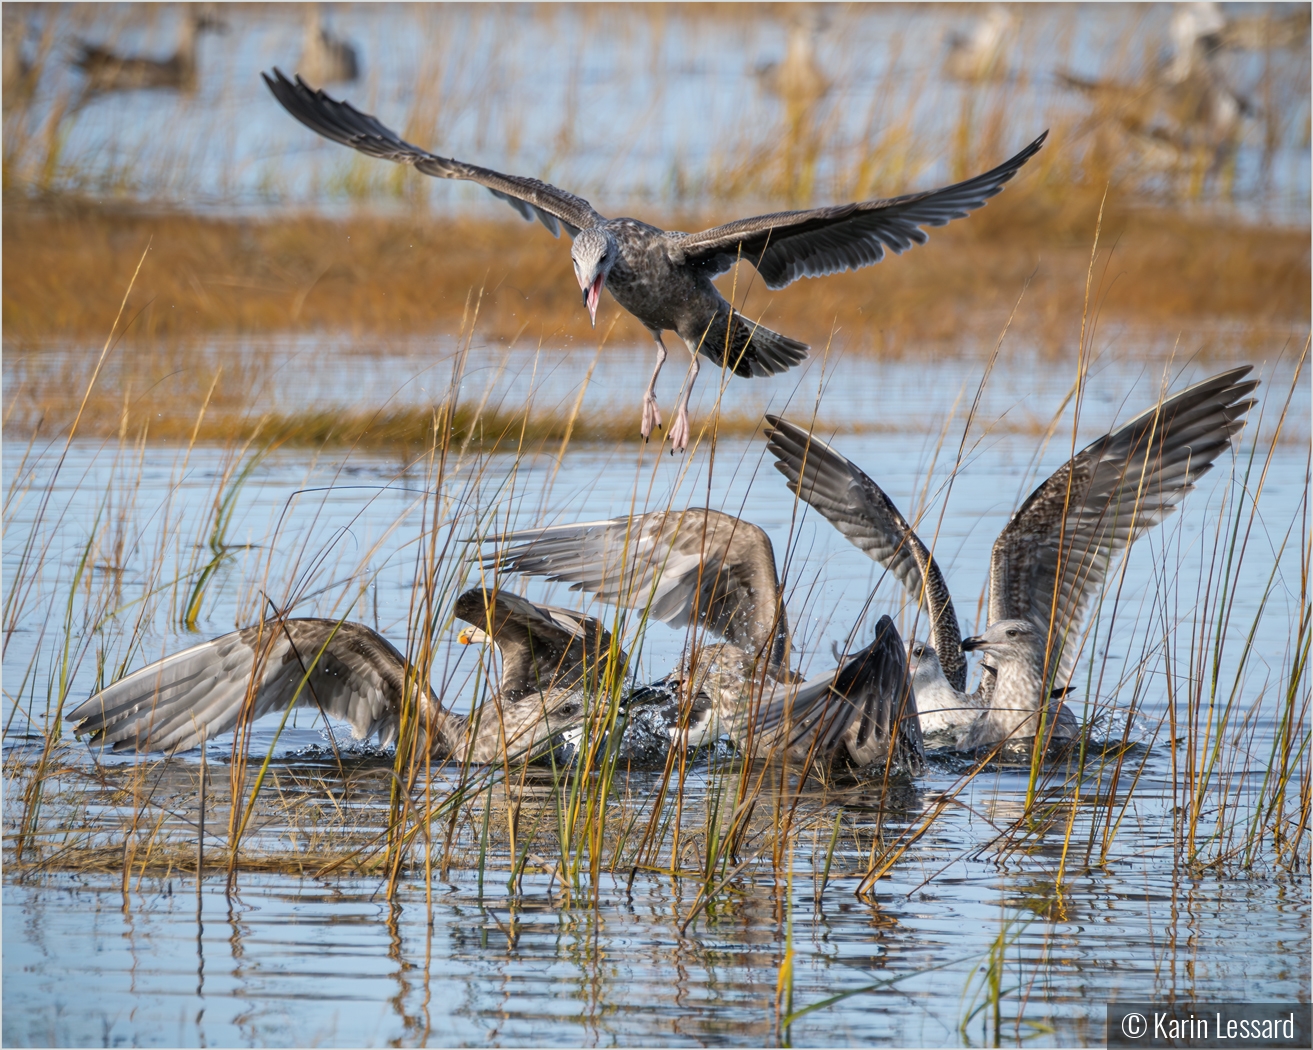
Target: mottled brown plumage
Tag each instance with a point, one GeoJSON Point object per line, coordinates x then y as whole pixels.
{"type": "Point", "coordinates": [715, 571]}
{"type": "Point", "coordinates": [347, 671]}
{"type": "Point", "coordinates": [664, 278]}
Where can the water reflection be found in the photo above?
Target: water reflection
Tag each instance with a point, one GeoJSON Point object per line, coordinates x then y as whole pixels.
{"type": "Point", "coordinates": [503, 955]}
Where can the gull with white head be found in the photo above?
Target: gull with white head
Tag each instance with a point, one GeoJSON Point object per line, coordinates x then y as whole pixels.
{"type": "Point", "coordinates": [665, 277]}
{"type": "Point", "coordinates": [1049, 563]}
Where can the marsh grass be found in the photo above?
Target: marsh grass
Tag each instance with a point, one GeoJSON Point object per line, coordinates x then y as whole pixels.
{"type": "Point", "coordinates": [717, 822]}
{"type": "Point", "coordinates": [725, 825]}
{"type": "Point", "coordinates": [367, 275]}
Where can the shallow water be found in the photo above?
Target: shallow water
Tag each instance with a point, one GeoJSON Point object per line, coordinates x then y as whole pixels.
{"type": "Point", "coordinates": [598, 99]}
{"type": "Point", "coordinates": [327, 960]}
{"type": "Point", "coordinates": [302, 961]}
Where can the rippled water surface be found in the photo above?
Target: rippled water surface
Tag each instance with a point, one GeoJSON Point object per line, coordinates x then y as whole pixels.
{"type": "Point", "coordinates": [307, 957]}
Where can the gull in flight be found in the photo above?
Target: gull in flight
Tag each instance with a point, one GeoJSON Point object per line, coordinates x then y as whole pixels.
{"type": "Point", "coordinates": [664, 277]}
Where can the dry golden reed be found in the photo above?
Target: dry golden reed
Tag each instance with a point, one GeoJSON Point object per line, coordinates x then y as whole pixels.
{"type": "Point", "coordinates": [372, 274]}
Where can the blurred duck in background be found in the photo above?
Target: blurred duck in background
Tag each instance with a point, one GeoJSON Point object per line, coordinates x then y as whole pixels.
{"type": "Point", "coordinates": [1184, 113]}
{"type": "Point", "coordinates": [798, 78]}
{"type": "Point", "coordinates": [104, 70]}
{"type": "Point", "coordinates": [326, 58]}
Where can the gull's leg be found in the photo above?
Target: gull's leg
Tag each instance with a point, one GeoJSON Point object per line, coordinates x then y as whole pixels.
{"type": "Point", "coordinates": [679, 428]}
{"type": "Point", "coordinates": [651, 414]}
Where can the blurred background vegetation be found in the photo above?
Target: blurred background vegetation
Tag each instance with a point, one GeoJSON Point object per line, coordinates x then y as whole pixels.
{"type": "Point", "coordinates": [1188, 125]}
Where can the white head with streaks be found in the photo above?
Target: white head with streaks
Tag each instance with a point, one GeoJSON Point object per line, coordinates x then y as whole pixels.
{"type": "Point", "coordinates": [594, 252]}
{"type": "Point", "coordinates": [923, 665]}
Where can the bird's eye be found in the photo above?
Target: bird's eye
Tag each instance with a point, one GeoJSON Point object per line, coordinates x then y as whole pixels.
{"type": "Point", "coordinates": [918, 651]}
{"type": "Point", "coordinates": [1012, 634]}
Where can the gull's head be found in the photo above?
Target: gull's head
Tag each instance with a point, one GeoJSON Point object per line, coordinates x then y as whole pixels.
{"type": "Point", "coordinates": [923, 664]}
{"type": "Point", "coordinates": [594, 253]}
{"type": "Point", "coordinates": [472, 636]}
{"type": "Point", "coordinates": [1009, 640]}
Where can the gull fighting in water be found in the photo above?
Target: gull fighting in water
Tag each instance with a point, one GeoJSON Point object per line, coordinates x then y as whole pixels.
{"type": "Point", "coordinates": [551, 658]}
{"type": "Point", "coordinates": [664, 277]}
{"type": "Point", "coordinates": [717, 572]}
{"type": "Point", "coordinates": [1048, 565]}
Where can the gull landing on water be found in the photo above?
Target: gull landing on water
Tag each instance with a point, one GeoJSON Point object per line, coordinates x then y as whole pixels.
{"type": "Point", "coordinates": [664, 278]}
{"type": "Point", "coordinates": [1059, 545]}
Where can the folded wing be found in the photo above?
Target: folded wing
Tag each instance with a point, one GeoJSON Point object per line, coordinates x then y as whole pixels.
{"type": "Point", "coordinates": [541, 646]}
{"type": "Point", "coordinates": [865, 710]}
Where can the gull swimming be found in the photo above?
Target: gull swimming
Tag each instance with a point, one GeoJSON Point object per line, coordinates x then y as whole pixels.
{"type": "Point", "coordinates": [664, 277]}
{"type": "Point", "coordinates": [1047, 566]}
{"type": "Point", "coordinates": [551, 658]}
{"type": "Point", "coordinates": [717, 572]}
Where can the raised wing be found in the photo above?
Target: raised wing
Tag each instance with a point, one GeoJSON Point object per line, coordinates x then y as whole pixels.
{"type": "Point", "coordinates": [859, 509]}
{"type": "Point", "coordinates": [681, 566]}
{"type": "Point", "coordinates": [1055, 553]}
{"type": "Point", "coordinates": [541, 646]}
{"type": "Point", "coordinates": [865, 710]}
{"type": "Point", "coordinates": [343, 670]}
{"type": "Point", "coordinates": [344, 124]}
{"type": "Point", "coordinates": [793, 244]}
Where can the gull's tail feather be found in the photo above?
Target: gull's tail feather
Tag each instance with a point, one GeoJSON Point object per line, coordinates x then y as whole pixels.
{"type": "Point", "coordinates": [748, 348]}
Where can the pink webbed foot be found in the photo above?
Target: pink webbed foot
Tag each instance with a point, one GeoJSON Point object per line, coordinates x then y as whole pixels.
{"type": "Point", "coordinates": [651, 416]}
{"type": "Point", "coordinates": [679, 431]}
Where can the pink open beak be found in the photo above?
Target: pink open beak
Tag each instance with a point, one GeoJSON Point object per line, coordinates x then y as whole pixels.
{"type": "Point", "coordinates": [591, 296]}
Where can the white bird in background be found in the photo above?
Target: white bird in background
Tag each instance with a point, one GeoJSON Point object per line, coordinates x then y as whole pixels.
{"type": "Point", "coordinates": [982, 53]}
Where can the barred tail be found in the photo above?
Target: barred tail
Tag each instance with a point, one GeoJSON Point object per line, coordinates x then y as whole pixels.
{"type": "Point", "coordinates": [753, 349]}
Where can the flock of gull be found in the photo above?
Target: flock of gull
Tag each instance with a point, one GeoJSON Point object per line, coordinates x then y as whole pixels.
{"type": "Point", "coordinates": [700, 568]}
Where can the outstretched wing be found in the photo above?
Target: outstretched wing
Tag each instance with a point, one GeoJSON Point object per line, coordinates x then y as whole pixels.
{"type": "Point", "coordinates": [860, 510]}
{"type": "Point", "coordinates": [541, 646]}
{"type": "Point", "coordinates": [343, 123]}
{"type": "Point", "coordinates": [793, 244]}
{"type": "Point", "coordinates": [343, 670]}
{"type": "Point", "coordinates": [1055, 553]}
{"type": "Point", "coordinates": [693, 566]}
